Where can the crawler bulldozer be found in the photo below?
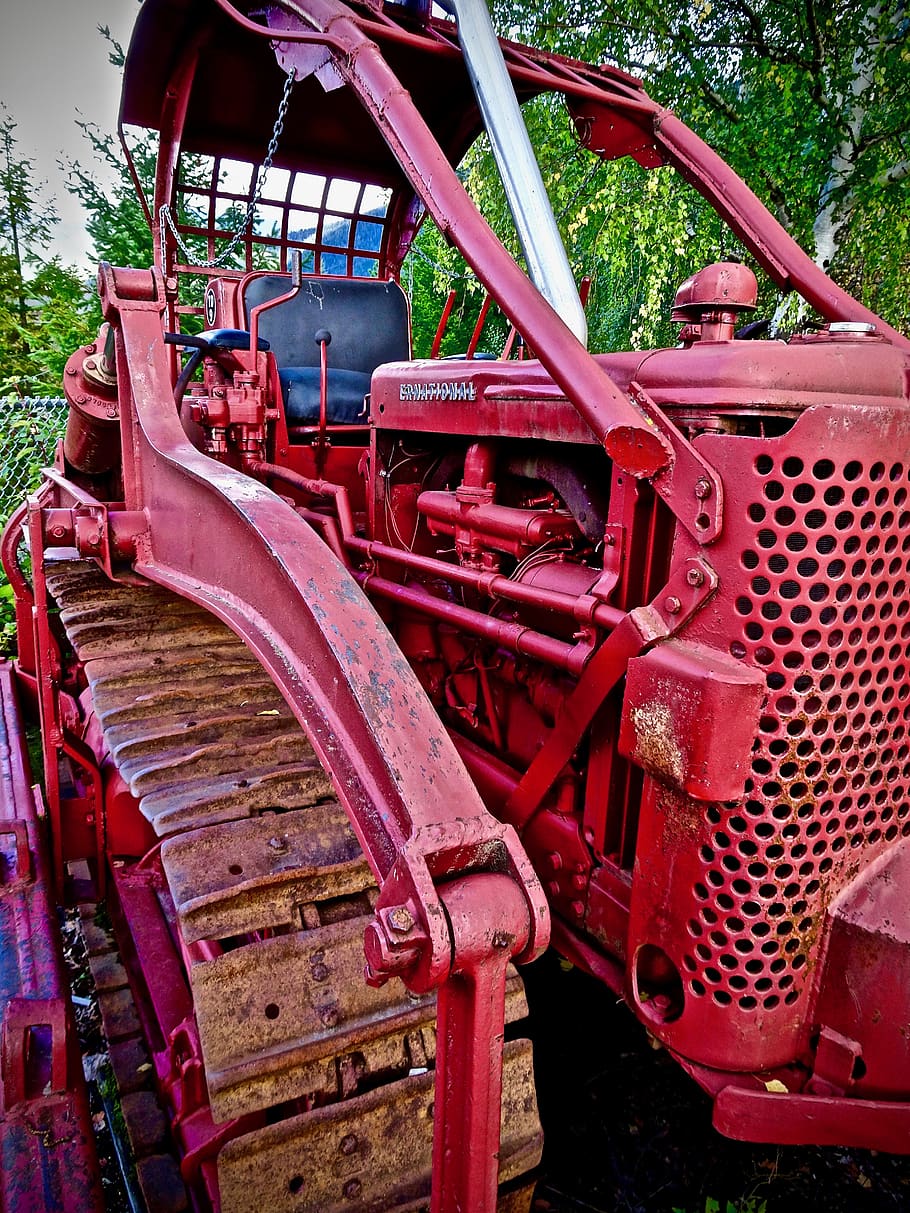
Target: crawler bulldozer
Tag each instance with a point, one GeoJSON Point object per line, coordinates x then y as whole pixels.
{"type": "Point", "coordinates": [362, 679]}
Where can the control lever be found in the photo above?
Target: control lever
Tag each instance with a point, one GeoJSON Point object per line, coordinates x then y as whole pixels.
{"type": "Point", "coordinates": [323, 340]}
{"type": "Point", "coordinates": [207, 344]}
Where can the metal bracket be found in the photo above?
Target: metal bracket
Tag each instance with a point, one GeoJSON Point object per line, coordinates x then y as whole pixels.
{"type": "Point", "coordinates": [17, 1042]}
{"type": "Point", "coordinates": [689, 485]}
{"type": "Point", "coordinates": [91, 527]}
{"type": "Point", "coordinates": [19, 872]}
{"type": "Point", "coordinates": [690, 585]}
{"type": "Point", "coordinates": [614, 554]}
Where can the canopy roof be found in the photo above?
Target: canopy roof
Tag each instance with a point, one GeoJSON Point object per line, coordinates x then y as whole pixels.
{"type": "Point", "coordinates": [237, 83]}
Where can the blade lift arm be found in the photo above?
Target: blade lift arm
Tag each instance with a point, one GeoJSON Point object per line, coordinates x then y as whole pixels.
{"type": "Point", "coordinates": [459, 898]}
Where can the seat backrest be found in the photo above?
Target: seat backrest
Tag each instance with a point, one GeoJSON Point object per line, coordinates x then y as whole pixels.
{"type": "Point", "coordinates": [367, 318]}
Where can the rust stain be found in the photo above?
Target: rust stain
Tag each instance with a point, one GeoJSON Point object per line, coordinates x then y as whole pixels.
{"type": "Point", "coordinates": [658, 748]}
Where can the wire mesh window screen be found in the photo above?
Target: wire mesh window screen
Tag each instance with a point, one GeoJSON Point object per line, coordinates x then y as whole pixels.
{"type": "Point", "coordinates": [338, 225]}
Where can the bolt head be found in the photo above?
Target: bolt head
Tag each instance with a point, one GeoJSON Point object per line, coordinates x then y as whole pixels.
{"type": "Point", "coordinates": [702, 489]}
{"type": "Point", "coordinates": [348, 1144]}
{"type": "Point", "coordinates": [278, 844]}
{"type": "Point", "coordinates": [695, 577]}
{"type": "Point", "coordinates": [400, 920]}
{"type": "Point", "coordinates": [352, 1189]}
{"type": "Point", "coordinates": [672, 605]}
{"type": "Point", "coordinates": [578, 909]}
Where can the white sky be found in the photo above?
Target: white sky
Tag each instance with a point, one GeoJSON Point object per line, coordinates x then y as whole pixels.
{"type": "Point", "coordinates": [53, 68]}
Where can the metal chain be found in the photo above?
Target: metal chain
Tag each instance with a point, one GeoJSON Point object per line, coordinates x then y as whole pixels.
{"type": "Point", "coordinates": [167, 219]}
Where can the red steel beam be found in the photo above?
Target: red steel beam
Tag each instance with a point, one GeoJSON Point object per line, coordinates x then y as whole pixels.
{"type": "Point", "coordinates": [46, 1141]}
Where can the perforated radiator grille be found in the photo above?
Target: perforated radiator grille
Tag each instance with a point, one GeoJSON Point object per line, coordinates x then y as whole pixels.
{"type": "Point", "coordinates": [823, 608]}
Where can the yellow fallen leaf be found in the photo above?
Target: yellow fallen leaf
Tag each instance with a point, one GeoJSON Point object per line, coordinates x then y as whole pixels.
{"type": "Point", "coordinates": [269, 712]}
{"type": "Point", "coordinates": [776, 1087]}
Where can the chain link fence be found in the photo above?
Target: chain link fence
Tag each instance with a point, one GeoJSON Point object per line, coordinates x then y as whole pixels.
{"type": "Point", "coordinates": [29, 430]}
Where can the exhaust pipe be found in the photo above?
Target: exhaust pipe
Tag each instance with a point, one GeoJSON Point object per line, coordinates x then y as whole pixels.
{"type": "Point", "coordinates": [535, 223]}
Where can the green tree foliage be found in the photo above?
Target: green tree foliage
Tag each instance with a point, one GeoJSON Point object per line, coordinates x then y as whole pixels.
{"type": "Point", "coordinates": [44, 311]}
{"type": "Point", "coordinates": [809, 102]}
{"type": "Point", "coordinates": [115, 221]}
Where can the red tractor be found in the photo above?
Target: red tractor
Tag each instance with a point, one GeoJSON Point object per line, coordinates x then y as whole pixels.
{"type": "Point", "coordinates": [337, 652]}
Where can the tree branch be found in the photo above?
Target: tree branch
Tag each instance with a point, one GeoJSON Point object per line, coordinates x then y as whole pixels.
{"type": "Point", "coordinates": [897, 172]}
{"type": "Point", "coordinates": [868, 141]}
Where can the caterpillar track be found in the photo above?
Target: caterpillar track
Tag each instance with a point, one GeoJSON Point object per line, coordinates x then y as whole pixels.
{"type": "Point", "coordinates": [323, 1085]}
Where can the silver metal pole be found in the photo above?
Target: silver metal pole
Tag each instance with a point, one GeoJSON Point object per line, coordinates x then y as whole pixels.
{"type": "Point", "coordinates": [548, 264]}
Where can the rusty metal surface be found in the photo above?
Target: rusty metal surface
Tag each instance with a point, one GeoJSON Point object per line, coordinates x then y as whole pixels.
{"type": "Point", "coordinates": [291, 1016]}
{"type": "Point", "coordinates": [271, 893]}
{"type": "Point", "coordinates": [249, 875]}
{"type": "Point", "coordinates": [273, 1016]}
{"type": "Point", "coordinates": [373, 1153]}
{"type": "Point", "coordinates": [182, 738]}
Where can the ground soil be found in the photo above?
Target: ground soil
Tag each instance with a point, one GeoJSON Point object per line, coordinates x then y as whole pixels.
{"type": "Point", "coordinates": [626, 1129]}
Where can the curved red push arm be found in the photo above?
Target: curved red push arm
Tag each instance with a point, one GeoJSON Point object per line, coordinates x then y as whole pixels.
{"type": "Point", "coordinates": [230, 544]}
{"type": "Point", "coordinates": [227, 542]}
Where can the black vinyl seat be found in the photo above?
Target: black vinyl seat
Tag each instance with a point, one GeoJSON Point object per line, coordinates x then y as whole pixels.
{"type": "Point", "coordinates": [367, 322]}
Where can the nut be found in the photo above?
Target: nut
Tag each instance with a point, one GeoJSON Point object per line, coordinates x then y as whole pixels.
{"type": "Point", "coordinates": [400, 920]}
{"type": "Point", "coordinates": [352, 1188]}
{"type": "Point", "coordinates": [695, 577]}
{"type": "Point", "coordinates": [348, 1144]}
